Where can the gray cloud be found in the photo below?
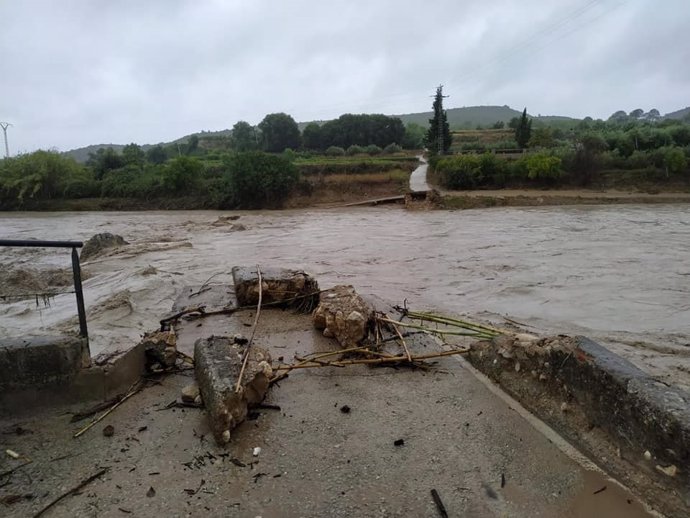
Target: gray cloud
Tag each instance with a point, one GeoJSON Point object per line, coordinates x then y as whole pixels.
{"type": "Point", "coordinates": [74, 73]}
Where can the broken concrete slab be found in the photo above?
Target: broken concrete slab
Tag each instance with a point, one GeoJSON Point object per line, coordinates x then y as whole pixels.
{"type": "Point", "coordinates": [345, 315]}
{"type": "Point", "coordinates": [217, 365]}
{"type": "Point", "coordinates": [109, 375]}
{"type": "Point", "coordinates": [647, 421]}
{"type": "Point", "coordinates": [41, 360]}
{"type": "Point", "coordinates": [279, 285]}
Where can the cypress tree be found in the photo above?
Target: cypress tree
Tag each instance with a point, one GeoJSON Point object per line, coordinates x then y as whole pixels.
{"type": "Point", "coordinates": [523, 132]}
{"type": "Point", "coordinates": [438, 127]}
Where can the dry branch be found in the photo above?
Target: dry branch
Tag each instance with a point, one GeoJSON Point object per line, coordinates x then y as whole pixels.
{"type": "Point", "coordinates": [251, 338]}
{"type": "Point", "coordinates": [71, 491]}
{"type": "Point", "coordinates": [136, 387]}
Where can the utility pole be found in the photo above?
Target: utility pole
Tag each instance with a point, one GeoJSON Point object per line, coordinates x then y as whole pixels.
{"type": "Point", "coordinates": [4, 126]}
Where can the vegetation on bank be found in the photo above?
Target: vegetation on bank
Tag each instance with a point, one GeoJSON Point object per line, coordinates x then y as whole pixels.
{"type": "Point", "coordinates": [252, 167]}
{"type": "Point", "coordinates": [260, 167]}
{"type": "Point", "coordinates": [624, 151]}
{"type": "Point", "coordinates": [249, 179]}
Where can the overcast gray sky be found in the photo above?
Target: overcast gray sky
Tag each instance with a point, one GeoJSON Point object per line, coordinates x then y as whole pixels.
{"type": "Point", "coordinates": [74, 73]}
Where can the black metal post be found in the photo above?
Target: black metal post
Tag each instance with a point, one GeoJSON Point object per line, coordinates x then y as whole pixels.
{"type": "Point", "coordinates": [76, 270]}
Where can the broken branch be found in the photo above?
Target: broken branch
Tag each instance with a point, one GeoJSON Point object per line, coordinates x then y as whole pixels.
{"type": "Point", "coordinates": [71, 491]}
{"type": "Point", "coordinates": [370, 361]}
{"type": "Point", "coordinates": [132, 390]}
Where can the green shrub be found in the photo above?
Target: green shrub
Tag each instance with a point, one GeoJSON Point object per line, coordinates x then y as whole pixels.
{"type": "Point", "coordinates": [41, 174]}
{"type": "Point", "coordinates": [543, 168]}
{"type": "Point", "coordinates": [355, 150]}
{"type": "Point", "coordinates": [81, 188]}
{"type": "Point", "coordinates": [459, 172]}
{"type": "Point", "coordinates": [373, 149]}
{"type": "Point", "coordinates": [131, 182]}
{"type": "Point", "coordinates": [494, 170]}
{"type": "Point", "coordinates": [391, 149]}
{"type": "Point", "coordinates": [335, 151]}
{"type": "Point", "coordinates": [182, 175]}
{"type": "Point", "coordinates": [260, 180]}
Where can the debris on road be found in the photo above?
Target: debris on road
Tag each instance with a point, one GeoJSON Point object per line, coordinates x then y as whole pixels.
{"type": "Point", "coordinates": [439, 504]}
{"type": "Point", "coordinates": [72, 491]}
{"type": "Point", "coordinates": [218, 362]}
{"type": "Point", "coordinates": [344, 315]}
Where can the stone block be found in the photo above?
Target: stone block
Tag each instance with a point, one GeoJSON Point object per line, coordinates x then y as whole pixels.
{"type": "Point", "coordinates": [217, 365]}
{"type": "Point", "coordinates": [278, 285]}
{"type": "Point", "coordinates": [345, 315]}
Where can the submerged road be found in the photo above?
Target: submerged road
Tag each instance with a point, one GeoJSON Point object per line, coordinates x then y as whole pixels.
{"type": "Point", "coordinates": [418, 177]}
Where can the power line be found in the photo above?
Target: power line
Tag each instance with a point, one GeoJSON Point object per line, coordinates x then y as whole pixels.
{"type": "Point", "coordinates": [4, 126]}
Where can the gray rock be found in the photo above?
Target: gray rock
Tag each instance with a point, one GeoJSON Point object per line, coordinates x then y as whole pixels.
{"type": "Point", "coordinates": [189, 393]}
{"type": "Point", "coordinates": [344, 314]}
{"type": "Point", "coordinates": [99, 243]}
{"type": "Point", "coordinates": [217, 364]}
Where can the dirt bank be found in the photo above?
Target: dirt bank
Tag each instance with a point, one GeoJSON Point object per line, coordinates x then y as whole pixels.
{"type": "Point", "coordinates": [534, 197]}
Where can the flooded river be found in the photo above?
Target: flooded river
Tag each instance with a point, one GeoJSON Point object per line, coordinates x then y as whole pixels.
{"type": "Point", "coordinates": [619, 274]}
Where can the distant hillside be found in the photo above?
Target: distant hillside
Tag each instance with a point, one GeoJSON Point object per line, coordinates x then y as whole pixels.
{"type": "Point", "coordinates": [467, 117]}
{"type": "Point", "coordinates": [82, 154]}
{"type": "Point", "coordinates": [679, 114]}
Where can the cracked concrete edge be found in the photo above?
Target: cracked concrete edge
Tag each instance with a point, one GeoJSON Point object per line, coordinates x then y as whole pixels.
{"type": "Point", "coordinates": [639, 414]}
{"type": "Point", "coordinates": [67, 382]}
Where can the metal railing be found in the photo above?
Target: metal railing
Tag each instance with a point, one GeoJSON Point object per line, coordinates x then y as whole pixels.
{"type": "Point", "coordinates": [76, 270]}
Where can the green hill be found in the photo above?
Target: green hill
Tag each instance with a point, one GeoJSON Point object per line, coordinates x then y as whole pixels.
{"type": "Point", "coordinates": [679, 114]}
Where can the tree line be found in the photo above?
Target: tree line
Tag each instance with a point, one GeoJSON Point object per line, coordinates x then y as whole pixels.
{"type": "Point", "coordinates": [250, 179]}
{"type": "Point", "coordinates": [279, 131]}
{"type": "Point", "coordinates": [635, 149]}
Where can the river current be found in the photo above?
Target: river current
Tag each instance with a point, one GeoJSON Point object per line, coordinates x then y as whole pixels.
{"type": "Point", "coordinates": [619, 273]}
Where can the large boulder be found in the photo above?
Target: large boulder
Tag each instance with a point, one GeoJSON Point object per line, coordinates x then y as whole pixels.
{"type": "Point", "coordinates": [99, 243]}
{"type": "Point", "coordinates": [345, 315]}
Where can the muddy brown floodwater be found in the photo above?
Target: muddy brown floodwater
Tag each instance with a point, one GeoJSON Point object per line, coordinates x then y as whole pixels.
{"type": "Point", "coordinates": [619, 274]}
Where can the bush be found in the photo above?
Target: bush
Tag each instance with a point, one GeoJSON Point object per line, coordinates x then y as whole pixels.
{"type": "Point", "coordinates": [355, 150]}
{"type": "Point", "coordinates": [131, 182]}
{"type": "Point", "coordinates": [260, 180]}
{"type": "Point", "coordinates": [335, 151]}
{"type": "Point", "coordinates": [543, 168]}
{"type": "Point", "coordinates": [391, 149]}
{"type": "Point", "coordinates": [373, 149]}
{"type": "Point", "coordinates": [41, 174]}
{"type": "Point", "coordinates": [81, 188]}
{"type": "Point", "coordinates": [494, 170]}
{"type": "Point", "coordinates": [459, 172]}
{"type": "Point", "coordinates": [181, 174]}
